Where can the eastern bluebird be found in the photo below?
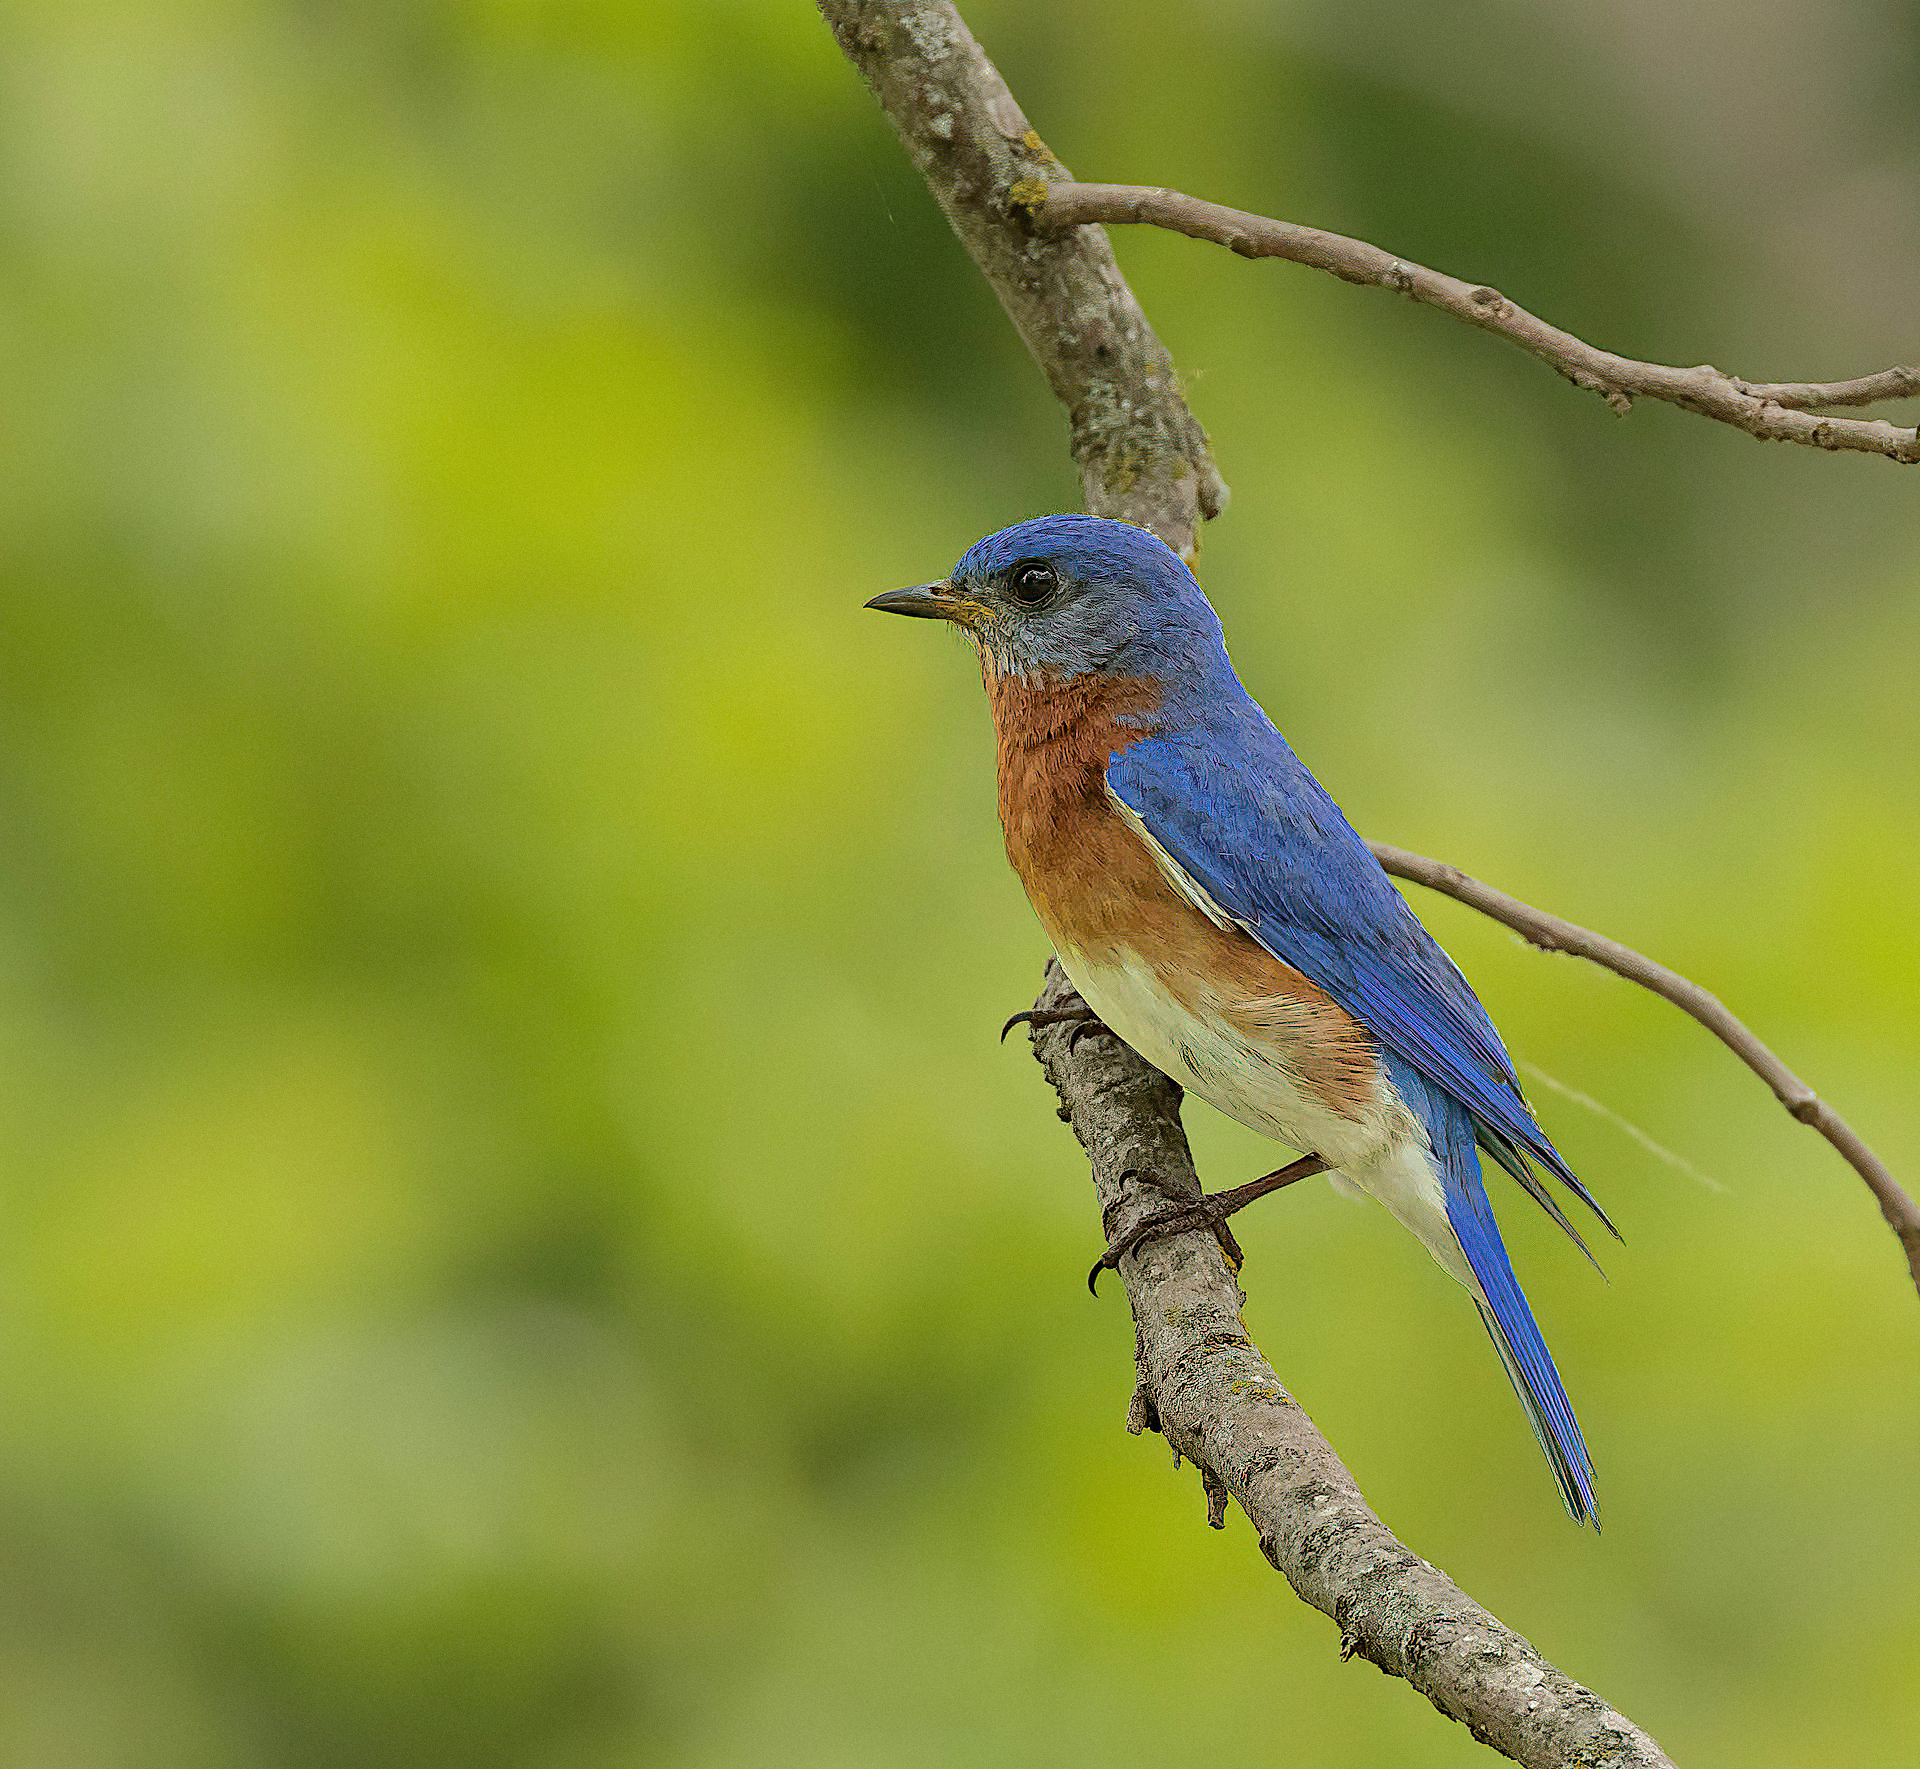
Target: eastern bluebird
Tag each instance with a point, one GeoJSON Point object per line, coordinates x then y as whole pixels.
{"type": "Point", "coordinates": [1220, 915]}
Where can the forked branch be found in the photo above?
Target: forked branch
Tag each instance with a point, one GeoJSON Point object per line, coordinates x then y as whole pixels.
{"type": "Point", "coordinates": [1772, 411]}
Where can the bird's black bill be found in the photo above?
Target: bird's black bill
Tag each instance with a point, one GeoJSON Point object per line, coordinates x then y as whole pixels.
{"type": "Point", "coordinates": [926, 601]}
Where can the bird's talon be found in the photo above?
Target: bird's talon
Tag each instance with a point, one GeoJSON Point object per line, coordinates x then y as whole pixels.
{"type": "Point", "coordinates": [1209, 1211]}
{"type": "Point", "coordinates": [1082, 1019]}
{"type": "Point", "coordinates": [1165, 1222]}
{"type": "Point", "coordinates": [1087, 1028]}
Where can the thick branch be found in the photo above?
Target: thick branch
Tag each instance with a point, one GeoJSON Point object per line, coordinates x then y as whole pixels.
{"type": "Point", "coordinates": [1551, 934]}
{"type": "Point", "coordinates": [1773, 412]}
{"type": "Point", "coordinates": [1142, 457]}
{"type": "Point", "coordinates": [1220, 1404]}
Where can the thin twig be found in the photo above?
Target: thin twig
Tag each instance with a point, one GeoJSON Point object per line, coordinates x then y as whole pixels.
{"type": "Point", "coordinates": [1551, 934]}
{"type": "Point", "coordinates": [1770, 411]}
{"type": "Point", "coordinates": [1896, 383]}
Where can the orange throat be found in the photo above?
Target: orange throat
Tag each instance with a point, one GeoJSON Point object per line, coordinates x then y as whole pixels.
{"type": "Point", "coordinates": [1054, 741]}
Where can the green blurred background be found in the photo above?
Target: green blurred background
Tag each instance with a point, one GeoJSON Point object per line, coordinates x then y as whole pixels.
{"type": "Point", "coordinates": [520, 1245]}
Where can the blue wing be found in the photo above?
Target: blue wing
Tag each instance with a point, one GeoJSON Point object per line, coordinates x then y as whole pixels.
{"type": "Point", "coordinates": [1239, 811]}
{"type": "Point", "coordinates": [1234, 806]}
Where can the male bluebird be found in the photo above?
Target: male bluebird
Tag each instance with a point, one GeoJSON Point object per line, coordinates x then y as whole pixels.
{"type": "Point", "coordinates": [1219, 914]}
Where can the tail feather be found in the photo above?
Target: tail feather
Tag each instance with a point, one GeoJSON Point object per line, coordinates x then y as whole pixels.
{"type": "Point", "coordinates": [1503, 1305]}
{"type": "Point", "coordinates": [1551, 1416]}
{"type": "Point", "coordinates": [1510, 1157]}
{"type": "Point", "coordinates": [1510, 1324]}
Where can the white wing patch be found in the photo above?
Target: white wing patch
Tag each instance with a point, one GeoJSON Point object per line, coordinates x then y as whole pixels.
{"type": "Point", "coordinates": [1170, 869]}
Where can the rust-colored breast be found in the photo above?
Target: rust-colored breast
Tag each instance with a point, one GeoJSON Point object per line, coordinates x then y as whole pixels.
{"type": "Point", "coordinates": [1087, 874]}
{"type": "Point", "coordinates": [1099, 892]}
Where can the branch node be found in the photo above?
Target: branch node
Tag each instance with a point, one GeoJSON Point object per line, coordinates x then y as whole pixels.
{"type": "Point", "coordinates": [1217, 1496]}
{"type": "Point", "coordinates": [1026, 199]}
{"type": "Point", "coordinates": [1142, 1414]}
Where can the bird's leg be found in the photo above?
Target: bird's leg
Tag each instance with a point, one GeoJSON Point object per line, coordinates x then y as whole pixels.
{"type": "Point", "coordinates": [1084, 1021]}
{"type": "Point", "coordinates": [1209, 1211]}
{"type": "Point", "coordinates": [1183, 1200]}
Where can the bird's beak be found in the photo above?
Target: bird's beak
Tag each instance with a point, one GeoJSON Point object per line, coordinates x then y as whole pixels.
{"type": "Point", "coordinates": [929, 602]}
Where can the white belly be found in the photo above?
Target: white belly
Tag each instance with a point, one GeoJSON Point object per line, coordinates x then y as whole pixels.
{"type": "Point", "coordinates": [1381, 1152]}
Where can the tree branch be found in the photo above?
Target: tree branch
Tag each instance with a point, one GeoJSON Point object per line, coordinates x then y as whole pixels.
{"type": "Point", "coordinates": [1551, 934]}
{"type": "Point", "coordinates": [1770, 411]}
{"type": "Point", "coordinates": [1206, 1386]}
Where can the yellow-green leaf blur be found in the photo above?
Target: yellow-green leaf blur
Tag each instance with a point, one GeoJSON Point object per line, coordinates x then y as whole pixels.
{"type": "Point", "coordinates": [518, 1245]}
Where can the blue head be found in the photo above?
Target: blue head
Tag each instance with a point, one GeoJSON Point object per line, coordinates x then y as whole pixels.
{"type": "Point", "coordinates": [1064, 596]}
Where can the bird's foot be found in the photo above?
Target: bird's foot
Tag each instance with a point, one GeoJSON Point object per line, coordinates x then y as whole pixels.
{"type": "Point", "coordinates": [1084, 1021]}
{"type": "Point", "coordinates": [1209, 1211]}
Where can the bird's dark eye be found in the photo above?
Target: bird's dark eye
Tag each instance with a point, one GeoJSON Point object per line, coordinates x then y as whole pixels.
{"type": "Point", "coordinates": [1032, 583]}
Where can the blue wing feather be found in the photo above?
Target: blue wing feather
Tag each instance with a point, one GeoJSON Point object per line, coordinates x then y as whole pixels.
{"type": "Point", "coordinates": [1509, 1321]}
{"type": "Point", "coordinates": [1230, 801]}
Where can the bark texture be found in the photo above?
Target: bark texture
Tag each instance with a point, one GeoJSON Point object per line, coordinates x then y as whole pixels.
{"type": "Point", "coordinates": [1141, 455]}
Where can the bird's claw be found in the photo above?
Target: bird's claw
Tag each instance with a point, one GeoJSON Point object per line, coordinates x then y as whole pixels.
{"type": "Point", "coordinates": [1209, 1210]}
{"type": "Point", "coordinates": [1092, 1026]}
{"type": "Point", "coordinates": [1084, 1021]}
{"type": "Point", "coordinates": [1200, 1213]}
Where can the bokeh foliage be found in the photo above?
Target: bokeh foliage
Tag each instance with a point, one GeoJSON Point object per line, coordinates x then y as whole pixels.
{"type": "Point", "coordinates": [520, 1247]}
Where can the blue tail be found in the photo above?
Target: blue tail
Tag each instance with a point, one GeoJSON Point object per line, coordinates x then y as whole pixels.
{"type": "Point", "coordinates": [1509, 1321]}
